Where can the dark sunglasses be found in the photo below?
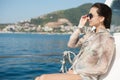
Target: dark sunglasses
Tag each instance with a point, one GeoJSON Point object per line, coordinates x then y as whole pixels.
{"type": "Point", "coordinates": [90, 15]}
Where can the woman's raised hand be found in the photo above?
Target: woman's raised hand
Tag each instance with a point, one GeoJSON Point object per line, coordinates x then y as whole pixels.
{"type": "Point", "coordinates": [83, 21]}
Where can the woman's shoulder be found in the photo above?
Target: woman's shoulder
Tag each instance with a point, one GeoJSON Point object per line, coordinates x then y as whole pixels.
{"type": "Point", "coordinates": [108, 37]}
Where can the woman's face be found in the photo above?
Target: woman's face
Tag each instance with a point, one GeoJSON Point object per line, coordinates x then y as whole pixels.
{"type": "Point", "coordinates": [96, 19]}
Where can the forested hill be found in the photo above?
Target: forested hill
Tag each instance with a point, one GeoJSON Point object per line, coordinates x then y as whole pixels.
{"type": "Point", "coordinates": [73, 15]}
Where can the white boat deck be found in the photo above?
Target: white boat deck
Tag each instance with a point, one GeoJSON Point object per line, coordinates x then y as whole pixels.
{"type": "Point", "coordinates": [114, 73]}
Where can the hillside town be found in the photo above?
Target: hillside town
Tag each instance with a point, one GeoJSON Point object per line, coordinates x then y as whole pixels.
{"type": "Point", "coordinates": [62, 25]}
{"type": "Point", "coordinates": [31, 28]}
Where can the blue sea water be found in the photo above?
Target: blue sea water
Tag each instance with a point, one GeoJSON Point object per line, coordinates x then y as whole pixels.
{"type": "Point", "coordinates": [25, 56]}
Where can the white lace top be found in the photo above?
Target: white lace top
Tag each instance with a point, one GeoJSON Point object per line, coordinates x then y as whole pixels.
{"type": "Point", "coordinates": [96, 52]}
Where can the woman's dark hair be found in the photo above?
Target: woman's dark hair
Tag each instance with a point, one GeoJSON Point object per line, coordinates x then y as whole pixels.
{"type": "Point", "coordinates": [105, 11]}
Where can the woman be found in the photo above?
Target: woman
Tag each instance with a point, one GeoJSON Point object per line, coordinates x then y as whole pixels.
{"type": "Point", "coordinates": [97, 47]}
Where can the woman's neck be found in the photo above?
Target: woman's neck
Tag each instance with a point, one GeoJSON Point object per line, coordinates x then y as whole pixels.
{"type": "Point", "coordinates": [99, 27]}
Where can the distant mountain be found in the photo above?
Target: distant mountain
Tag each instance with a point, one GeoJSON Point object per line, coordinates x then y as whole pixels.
{"type": "Point", "coordinates": [116, 12]}
{"type": "Point", "coordinates": [116, 19]}
{"type": "Point", "coordinates": [71, 15]}
{"type": "Point", "coordinates": [68, 17]}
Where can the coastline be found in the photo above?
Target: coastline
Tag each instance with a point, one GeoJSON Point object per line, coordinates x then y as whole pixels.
{"type": "Point", "coordinates": [34, 33]}
{"type": "Point", "coordinates": [116, 33]}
